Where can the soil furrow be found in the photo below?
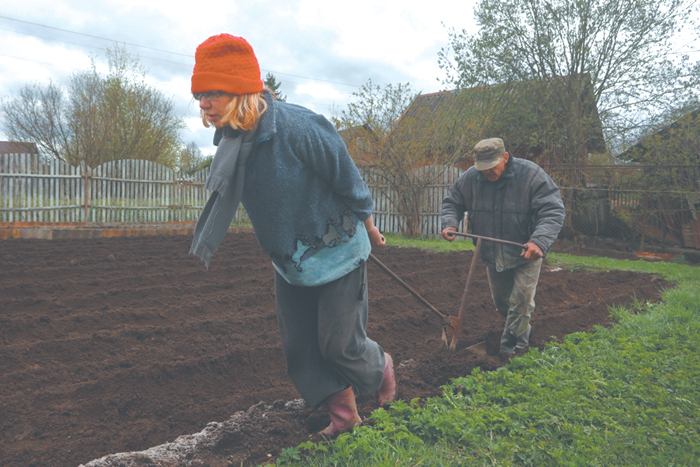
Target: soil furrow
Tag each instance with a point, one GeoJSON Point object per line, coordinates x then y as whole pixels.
{"type": "Point", "coordinates": [111, 345]}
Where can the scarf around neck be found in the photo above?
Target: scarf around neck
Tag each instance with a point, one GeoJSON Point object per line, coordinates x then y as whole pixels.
{"type": "Point", "coordinates": [226, 184]}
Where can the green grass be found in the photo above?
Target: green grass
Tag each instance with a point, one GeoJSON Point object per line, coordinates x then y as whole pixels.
{"type": "Point", "coordinates": [625, 395]}
{"type": "Point", "coordinates": [435, 244]}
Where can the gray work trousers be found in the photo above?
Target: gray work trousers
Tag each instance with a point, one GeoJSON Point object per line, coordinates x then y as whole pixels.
{"type": "Point", "coordinates": [513, 293]}
{"type": "Point", "coordinates": [324, 339]}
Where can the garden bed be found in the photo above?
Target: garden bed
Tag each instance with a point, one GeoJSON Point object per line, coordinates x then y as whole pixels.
{"type": "Point", "coordinates": [112, 345]}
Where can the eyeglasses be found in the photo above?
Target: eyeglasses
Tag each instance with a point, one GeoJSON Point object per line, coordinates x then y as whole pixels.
{"type": "Point", "coordinates": [210, 95]}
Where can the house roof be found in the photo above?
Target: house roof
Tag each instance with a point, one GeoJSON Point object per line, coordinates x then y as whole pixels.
{"type": "Point", "coordinates": [430, 102]}
{"type": "Point", "coordinates": [359, 131]}
{"type": "Point", "coordinates": [645, 144]}
{"type": "Point", "coordinates": [355, 139]}
{"type": "Point", "coordinates": [14, 147]}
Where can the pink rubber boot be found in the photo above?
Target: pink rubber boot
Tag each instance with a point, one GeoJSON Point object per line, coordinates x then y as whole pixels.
{"type": "Point", "coordinates": [389, 390]}
{"type": "Point", "coordinates": [343, 411]}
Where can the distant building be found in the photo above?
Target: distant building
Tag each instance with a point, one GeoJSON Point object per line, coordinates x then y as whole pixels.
{"type": "Point", "coordinates": [675, 149]}
{"type": "Point", "coordinates": [357, 140]}
{"type": "Point", "coordinates": [10, 159]}
{"type": "Point", "coordinates": [518, 125]}
{"type": "Point", "coordinates": [674, 143]}
{"type": "Point", "coordinates": [14, 147]}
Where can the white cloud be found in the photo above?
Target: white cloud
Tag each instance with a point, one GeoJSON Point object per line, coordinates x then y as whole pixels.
{"type": "Point", "coordinates": [320, 51]}
{"type": "Point", "coordinates": [323, 93]}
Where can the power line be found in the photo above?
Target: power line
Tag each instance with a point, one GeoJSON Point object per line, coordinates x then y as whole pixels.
{"type": "Point", "coordinates": [91, 36]}
{"type": "Point", "coordinates": [146, 47]}
{"type": "Point", "coordinates": [37, 61]}
{"type": "Point", "coordinates": [82, 45]}
{"type": "Point", "coordinates": [51, 39]}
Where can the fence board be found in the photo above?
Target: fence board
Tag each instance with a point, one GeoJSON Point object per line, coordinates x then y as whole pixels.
{"type": "Point", "coordinates": [134, 191]}
{"type": "Point", "coordinates": [29, 188]}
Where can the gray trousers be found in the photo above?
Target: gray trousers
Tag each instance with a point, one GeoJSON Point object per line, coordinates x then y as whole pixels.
{"type": "Point", "coordinates": [324, 339]}
{"type": "Point", "coordinates": [513, 293]}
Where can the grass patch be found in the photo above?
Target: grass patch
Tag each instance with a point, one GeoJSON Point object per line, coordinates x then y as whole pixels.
{"type": "Point", "coordinates": [625, 395]}
{"type": "Point", "coordinates": [435, 244]}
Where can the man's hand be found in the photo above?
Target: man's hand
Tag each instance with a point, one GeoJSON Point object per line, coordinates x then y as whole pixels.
{"type": "Point", "coordinates": [447, 235]}
{"type": "Point", "coordinates": [533, 252]}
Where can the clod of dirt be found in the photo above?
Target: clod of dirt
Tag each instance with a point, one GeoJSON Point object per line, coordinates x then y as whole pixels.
{"type": "Point", "coordinates": [225, 443]}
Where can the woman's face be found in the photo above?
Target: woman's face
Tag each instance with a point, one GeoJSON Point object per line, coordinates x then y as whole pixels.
{"type": "Point", "coordinates": [214, 108]}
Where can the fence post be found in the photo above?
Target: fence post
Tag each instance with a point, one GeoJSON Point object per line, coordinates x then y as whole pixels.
{"type": "Point", "coordinates": [85, 192]}
{"type": "Point", "coordinates": [644, 216]}
{"type": "Point", "coordinates": [181, 189]}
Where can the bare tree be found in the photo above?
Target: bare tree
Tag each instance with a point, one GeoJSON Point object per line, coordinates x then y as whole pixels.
{"type": "Point", "coordinates": [378, 107]}
{"type": "Point", "coordinates": [98, 117]}
{"type": "Point", "coordinates": [191, 159]}
{"type": "Point", "coordinates": [624, 48]}
{"type": "Point", "coordinates": [38, 114]}
{"type": "Point", "coordinates": [407, 137]}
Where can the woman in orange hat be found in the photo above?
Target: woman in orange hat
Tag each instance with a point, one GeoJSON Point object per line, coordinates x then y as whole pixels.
{"type": "Point", "coordinates": [312, 214]}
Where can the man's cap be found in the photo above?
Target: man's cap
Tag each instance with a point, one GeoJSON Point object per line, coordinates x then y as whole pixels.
{"type": "Point", "coordinates": [488, 153]}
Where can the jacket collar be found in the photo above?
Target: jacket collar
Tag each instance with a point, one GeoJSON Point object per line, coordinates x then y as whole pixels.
{"type": "Point", "coordinates": [510, 168]}
{"type": "Point", "coordinates": [224, 131]}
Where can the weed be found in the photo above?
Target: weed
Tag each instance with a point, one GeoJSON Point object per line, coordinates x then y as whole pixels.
{"type": "Point", "coordinates": [288, 455]}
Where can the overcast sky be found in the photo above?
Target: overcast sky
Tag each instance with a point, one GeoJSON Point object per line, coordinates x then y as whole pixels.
{"type": "Point", "coordinates": [320, 51]}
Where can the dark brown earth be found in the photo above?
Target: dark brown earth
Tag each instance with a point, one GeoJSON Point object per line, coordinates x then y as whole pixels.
{"type": "Point", "coordinates": [114, 345]}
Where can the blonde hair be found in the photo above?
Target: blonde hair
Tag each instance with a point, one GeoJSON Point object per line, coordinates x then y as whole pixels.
{"type": "Point", "coordinates": [242, 112]}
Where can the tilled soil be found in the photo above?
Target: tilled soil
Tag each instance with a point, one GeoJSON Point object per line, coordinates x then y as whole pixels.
{"type": "Point", "coordinates": [116, 345]}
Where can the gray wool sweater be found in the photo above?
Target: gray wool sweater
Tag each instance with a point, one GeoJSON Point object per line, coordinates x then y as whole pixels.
{"type": "Point", "coordinates": [305, 196]}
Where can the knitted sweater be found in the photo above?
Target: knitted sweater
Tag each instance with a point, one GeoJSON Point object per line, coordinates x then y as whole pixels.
{"type": "Point", "coordinates": [305, 196]}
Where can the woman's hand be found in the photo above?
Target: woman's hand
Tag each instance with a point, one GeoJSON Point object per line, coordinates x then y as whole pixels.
{"type": "Point", "coordinates": [375, 236]}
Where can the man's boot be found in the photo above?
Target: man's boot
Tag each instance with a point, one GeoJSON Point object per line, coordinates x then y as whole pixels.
{"type": "Point", "coordinates": [524, 340]}
{"type": "Point", "coordinates": [389, 390]}
{"type": "Point", "coordinates": [508, 342]}
{"type": "Point", "coordinates": [343, 411]}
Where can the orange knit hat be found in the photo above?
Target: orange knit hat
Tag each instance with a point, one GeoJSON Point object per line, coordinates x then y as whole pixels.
{"type": "Point", "coordinates": [226, 63]}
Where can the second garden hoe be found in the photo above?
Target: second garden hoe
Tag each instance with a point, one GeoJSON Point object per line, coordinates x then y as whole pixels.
{"type": "Point", "coordinates": [451, 325]}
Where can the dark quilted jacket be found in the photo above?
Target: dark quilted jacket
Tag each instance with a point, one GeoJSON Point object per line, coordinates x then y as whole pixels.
{"type": "Point", "coordinates": [523, 205]}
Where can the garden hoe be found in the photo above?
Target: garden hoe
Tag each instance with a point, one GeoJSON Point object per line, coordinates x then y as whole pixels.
{"type": "Point", "coordinates": [446, 321]}
{"type": "Point", "coordinates": [451, 326]}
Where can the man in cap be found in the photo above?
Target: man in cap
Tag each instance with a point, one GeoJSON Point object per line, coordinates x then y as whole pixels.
{"type": "Point", "coordinates": [510, 199]}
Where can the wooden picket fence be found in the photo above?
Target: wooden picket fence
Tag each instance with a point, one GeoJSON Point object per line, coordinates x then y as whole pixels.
{"type": "Point", "coordinates": [37, 189]}
{"type": "Point", "coordinates": [436, 180]}
{"type": "Point", "coordinates": [44, 190]}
